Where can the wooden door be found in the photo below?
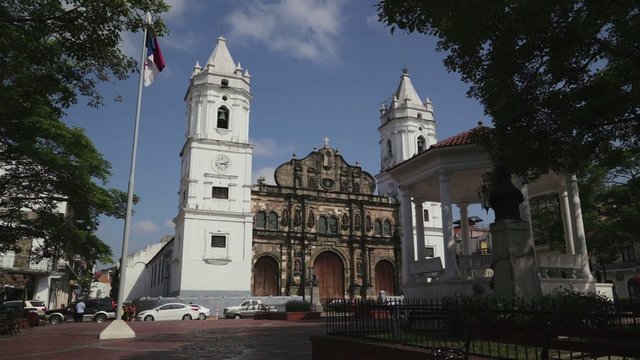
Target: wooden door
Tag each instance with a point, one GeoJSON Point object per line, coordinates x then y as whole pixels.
{"type": "Point", "coordinates": [329, 275]}
{"type": "Point", "coordinates": [266, 276]}
{"type": "Point", "coordinates": [385, 277]}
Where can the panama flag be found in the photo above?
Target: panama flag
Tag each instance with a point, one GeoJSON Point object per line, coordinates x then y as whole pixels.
{"type": "Point", "coordinates": [155, 62]}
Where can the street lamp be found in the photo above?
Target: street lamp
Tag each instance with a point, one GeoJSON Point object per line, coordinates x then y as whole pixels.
{"type": "Point", "coordinates": [304, 252]}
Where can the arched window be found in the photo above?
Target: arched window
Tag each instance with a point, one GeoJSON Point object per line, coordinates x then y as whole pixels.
{"type": "Point", "coordinates": [261, 220]}
{"type": "Point", "coordinates": [422, 144]}
{"type": "Point", "coordinates": [333, 225]}
{"type": "Point", "coordinates": [425, 214]}
{"type": "Point", "coordinates": [273, 221]}
{"type": "Point", "coordinates": [322, 224]}
{"type": "Point", "coordinates": [356, 188]}
{"type": "Point", "coordinates": [377, 228]}
{"type": "Point", "coordinates": [223, 118]}
{"type": "Point", "coordinates": [357, 223]}
{"type": "Point", "coordinates": [389, 148]}
{"type": "Point", "coordinates": [386, 228]}
{"type": "Point", "coordinates": [368, 224]}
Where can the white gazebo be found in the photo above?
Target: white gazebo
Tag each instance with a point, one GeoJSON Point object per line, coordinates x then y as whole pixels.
{"type": "Point", "coordinates": [450, 172]}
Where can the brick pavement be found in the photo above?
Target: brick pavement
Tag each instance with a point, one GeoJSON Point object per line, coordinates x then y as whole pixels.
{"type": "Point", "coordinates": [245, 339]}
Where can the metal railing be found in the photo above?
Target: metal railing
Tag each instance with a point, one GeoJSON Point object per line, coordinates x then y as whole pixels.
{"type": "Point", "coordinates": [497, 330]}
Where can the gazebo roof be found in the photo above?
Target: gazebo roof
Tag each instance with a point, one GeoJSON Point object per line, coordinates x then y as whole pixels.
{"type": "Point", "coordinates": [464, 138]}
{"type": "Point", "coordinates": [464, 162]}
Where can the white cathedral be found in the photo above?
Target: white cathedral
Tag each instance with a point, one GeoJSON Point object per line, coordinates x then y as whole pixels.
{"type": "Point", "coordinates": [211, 253]}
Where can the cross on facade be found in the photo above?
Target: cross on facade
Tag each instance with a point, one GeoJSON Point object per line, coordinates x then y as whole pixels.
{"type": "Point", "coordinates": [326, 142]}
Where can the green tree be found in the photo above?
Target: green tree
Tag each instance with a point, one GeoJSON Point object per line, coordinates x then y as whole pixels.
{"type": "Point", "coordinates": [546, 221]}
{"type": "Point", "coordinates": [52, 53]}
{"type": "Point", "coordinates": [561, 77]}
{"type": "Point", "coordinates": [611, 206]}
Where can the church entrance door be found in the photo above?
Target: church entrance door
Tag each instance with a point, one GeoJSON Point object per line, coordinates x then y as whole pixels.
{"type": "Point", "coordinates": [330, 275]}
{"type": "Point", "coordinates": [385, 277]}
{"type": "Point", "coordinates": [266, 277]}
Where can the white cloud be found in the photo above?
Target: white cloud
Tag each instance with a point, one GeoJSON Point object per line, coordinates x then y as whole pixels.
{"type": "Point", "coordinates": [306, 29]}
{"type": "Point", "coordinates": [372, 20]}
{"type": "Point", "coordinates": [169, 223]}
{"type": "Point", "coordinates": [267, 147]}
{"type": "Point", "coordinates": [177, 8]}
{"type": "Point", "coordinates": [145, 227]}
{"type": "Point", "coordinates": [267, 173]}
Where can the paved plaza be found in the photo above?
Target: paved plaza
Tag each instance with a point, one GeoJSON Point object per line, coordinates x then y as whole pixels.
{"type": "Point", "coordinates": [245, 339]}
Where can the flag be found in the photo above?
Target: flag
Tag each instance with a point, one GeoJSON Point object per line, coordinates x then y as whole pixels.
{"type": "Point", "coordinates": [155, 62]}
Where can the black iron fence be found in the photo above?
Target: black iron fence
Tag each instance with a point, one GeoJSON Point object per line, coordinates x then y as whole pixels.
{"type": "Point", "coordinates": [567, 328]}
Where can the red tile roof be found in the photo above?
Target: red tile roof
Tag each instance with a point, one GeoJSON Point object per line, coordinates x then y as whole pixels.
{"type": "Point", "coordinates": [464, 138]}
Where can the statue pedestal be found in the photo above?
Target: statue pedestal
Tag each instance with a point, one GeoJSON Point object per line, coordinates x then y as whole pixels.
{"type": "Point", "coordinates": [315, 298]}
{"type": "Point", "coordinates": [516, 269]}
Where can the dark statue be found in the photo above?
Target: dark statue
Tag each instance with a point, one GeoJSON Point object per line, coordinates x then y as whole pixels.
{"type": "Point", "coordinates": [505, 198]}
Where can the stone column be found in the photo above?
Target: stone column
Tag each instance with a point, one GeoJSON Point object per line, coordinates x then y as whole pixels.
{"type": "Point", "coordinates": [451, 270]}
{"type": "Point", "coordinates": [566, 220]}
{"type": "Point", "coordinates": [420, 250]}
{"type": "Point", "coordinates": [579, 238]}
{"type": "Point", "coordinates": [407, 236]}
{"type": "Point", "coordinates": [464, 227]}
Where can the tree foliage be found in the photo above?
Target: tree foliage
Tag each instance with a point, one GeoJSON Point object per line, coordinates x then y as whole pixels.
{"type": "Point", "coordinates": [560, 79]}
{"type": "Point", "coordinates": [611, 206]}
{"type": "Point", "coordinates": [51, 176]}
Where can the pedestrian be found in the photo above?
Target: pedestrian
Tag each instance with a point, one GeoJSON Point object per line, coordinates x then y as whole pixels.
{"type": "Point", "coordinates": [79, 314]}
{"type": "Point", "coordinates": [132, 311]}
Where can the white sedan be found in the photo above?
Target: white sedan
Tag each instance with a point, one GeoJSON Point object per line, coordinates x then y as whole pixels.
{"type": "Point", "coordinates": [204, 312]}
{"type": "Point", "coordinates": [171, 311]}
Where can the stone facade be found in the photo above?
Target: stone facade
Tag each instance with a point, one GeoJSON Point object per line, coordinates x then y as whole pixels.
{"type": "Point", "coordinates": [322, 224]}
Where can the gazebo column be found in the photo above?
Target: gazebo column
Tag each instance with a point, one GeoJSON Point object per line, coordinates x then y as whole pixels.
{"type": "Point", "coordinates": [565, 211]}
{"type": "Point", "coordinates": [580, 242]}
{"type": "Point", "coordinates": [407, 236]}
{"type": "Point", "coordinates": [451, 270]}
{"type": "Point", "coordinates": [464, 227]}
{"type": "Point", "coordinates": [420, 250]}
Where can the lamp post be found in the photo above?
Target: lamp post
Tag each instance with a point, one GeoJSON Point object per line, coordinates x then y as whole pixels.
{"type": "Point", "coordinates": [304, 252]}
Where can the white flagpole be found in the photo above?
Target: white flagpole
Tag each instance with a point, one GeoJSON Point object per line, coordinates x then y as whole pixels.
{"type": "Point", "coordinates": [124, 331]}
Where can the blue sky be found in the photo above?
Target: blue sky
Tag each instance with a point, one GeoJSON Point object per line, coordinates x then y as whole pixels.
{"type": "Point", "coordinates": [318, 68]}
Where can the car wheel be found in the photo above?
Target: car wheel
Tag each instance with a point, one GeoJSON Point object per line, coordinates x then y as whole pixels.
{"type": "Point", "coordinates": [55, 319]}
{"type": "Point", "coordinates": [237, 316]}
{"type": "Point", "coordinates": [148, 318]}
{"type": "Point", "coordinates": [100, 318]}
{"type": "Point", "coordinates": [186, 317]}
{"type": "Point", "coordinates": [202, 316]}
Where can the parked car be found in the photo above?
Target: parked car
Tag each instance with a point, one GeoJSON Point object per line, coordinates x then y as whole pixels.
{"type": "Point", "coordinates": [98, 310]}
{"type": "Point", "coordinates": [171, 311]}
{"type": "Point", "coordinates": [36, 306]}
{"type": "Point", "coordinates": [244, 303]}
{"type": "Point", "coordinates": [340, 305]}
{"type": "Point", "coordinates": [204, 312]}
{"type": "Point", "coordinates": [246, 311]}
{"type": "Point", "coordinates": [393, 301]}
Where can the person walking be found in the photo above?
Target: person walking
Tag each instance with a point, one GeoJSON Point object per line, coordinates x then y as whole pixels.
{"type": "Point", "coordinates": [79, 314]}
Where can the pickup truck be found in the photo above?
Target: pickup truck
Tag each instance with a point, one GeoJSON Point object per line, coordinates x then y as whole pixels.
{"type": "Point", "coordinates": [249, 303]}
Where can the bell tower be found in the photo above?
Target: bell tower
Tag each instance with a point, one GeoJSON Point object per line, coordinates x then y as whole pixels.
{"type": "Point", "coordinates": [408, 128]}
{"type": "Point", "coordinates": [213, 238]}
